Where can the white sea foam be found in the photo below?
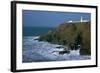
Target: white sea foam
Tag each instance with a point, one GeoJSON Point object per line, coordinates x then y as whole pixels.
{"type": "Point", "coordinates": [34, 51]}
{"type": "Point", "coordinates": [36, 37]}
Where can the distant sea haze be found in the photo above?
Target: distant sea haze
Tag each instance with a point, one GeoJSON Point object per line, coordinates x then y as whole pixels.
{"type": "Point", "coordinates": [36, 31]}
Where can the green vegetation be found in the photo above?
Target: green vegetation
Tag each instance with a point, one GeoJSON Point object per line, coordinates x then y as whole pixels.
{"type": "Point", "coordinates": [71, 35]}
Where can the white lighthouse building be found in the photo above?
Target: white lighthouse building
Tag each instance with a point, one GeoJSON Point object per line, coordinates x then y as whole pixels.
{"type": "Point", "coordinates": [81, 20]}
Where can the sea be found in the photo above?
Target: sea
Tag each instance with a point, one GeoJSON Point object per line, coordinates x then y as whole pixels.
{"type": "Point", "coordinates": [36, 31]}
{"type": "Point", "coordinates": [39, 51]}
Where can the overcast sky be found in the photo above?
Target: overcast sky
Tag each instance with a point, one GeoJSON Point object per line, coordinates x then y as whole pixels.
{"type": "Point", "coordinates": [50, 19]}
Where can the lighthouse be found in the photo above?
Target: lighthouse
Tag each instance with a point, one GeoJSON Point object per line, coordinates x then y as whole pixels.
{"type": "Point", "coordinates": [81, 19]}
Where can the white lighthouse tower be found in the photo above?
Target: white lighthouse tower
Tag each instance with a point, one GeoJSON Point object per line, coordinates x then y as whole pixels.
{"type": "Point", "coordinates": [81, 19]}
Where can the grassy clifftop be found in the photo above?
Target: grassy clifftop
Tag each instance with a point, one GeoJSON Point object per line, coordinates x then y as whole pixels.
{"type": "Point", "coordinates": [71, 35]}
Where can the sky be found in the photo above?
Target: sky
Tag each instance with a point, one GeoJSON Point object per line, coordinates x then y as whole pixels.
{"type": "Point", "coordinates": [32, 18]}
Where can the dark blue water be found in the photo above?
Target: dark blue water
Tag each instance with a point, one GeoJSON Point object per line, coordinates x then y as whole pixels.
{"type": "Point", "coordinates": [36, 31]}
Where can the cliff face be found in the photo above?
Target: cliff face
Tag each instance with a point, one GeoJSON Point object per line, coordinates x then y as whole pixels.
{"type": "Point", "coordinates": [71, 35]}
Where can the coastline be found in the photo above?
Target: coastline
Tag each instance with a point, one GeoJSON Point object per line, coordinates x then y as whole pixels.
{"type": "Point", "coordinates": [40, 51]}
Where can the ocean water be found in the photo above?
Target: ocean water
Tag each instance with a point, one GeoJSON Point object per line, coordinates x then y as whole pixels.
{"type": "Point", "coordinates": [40, 51]}
{"type": "Point", "coordinates": [36, 31]}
